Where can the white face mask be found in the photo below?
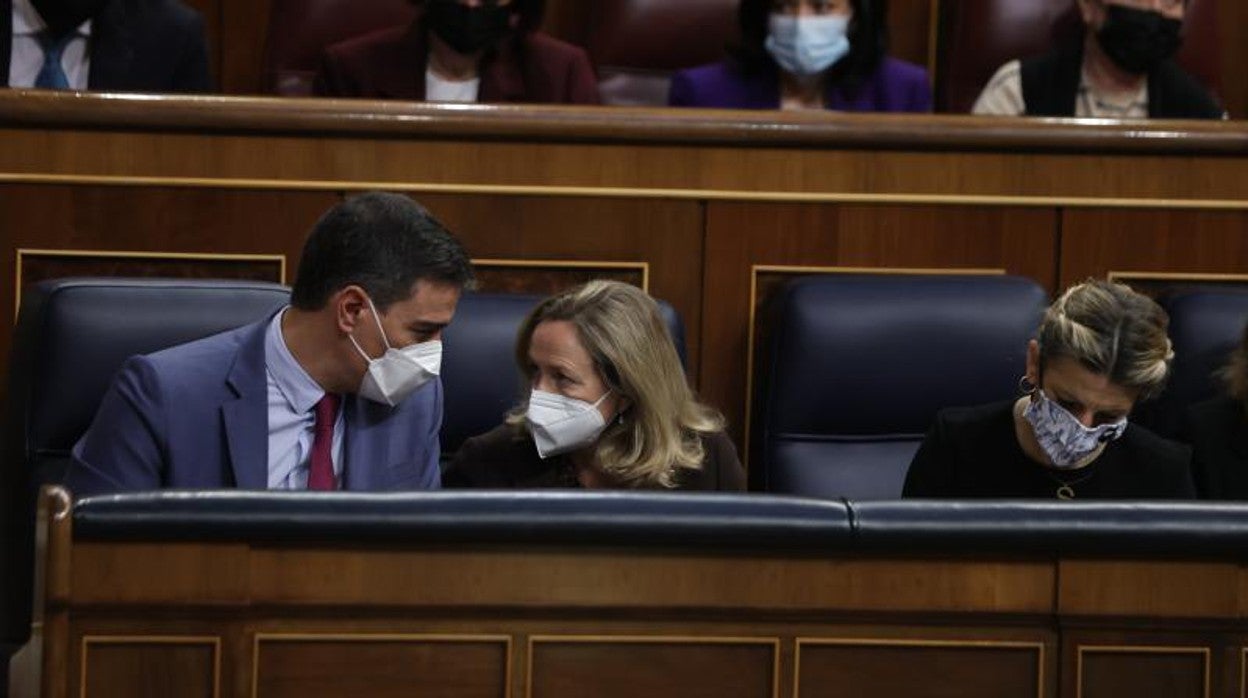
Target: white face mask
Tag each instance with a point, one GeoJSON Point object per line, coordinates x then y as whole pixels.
{"type": "Point", "coordinates": [562, 424]}
{"type": "Point", "coordinates": [807, 46]}
{"type": "Point", "coordinates": [399, 372]}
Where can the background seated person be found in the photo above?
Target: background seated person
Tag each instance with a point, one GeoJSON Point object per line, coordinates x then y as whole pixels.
{"type": "Point", "coordinates": [339, 390]}
{"type": "Point", "coordinates": [1101, 348]}
{"type": "Point", "coordinates": [1218, 432]}
{"type": "Point", "coordinates": [808, 54]}
{"type": "Point", "coordinates": [1122, 70]}
{"type": "Point", "coordinates": [115, 45]}
{"type": "Point", "coordinates": [462, 51]}
{"type": "Point", "coordinates": [609, 407]}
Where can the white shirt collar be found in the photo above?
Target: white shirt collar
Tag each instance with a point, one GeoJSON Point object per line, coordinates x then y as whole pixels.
{"type": "Point", "coordinates": [301, 392]}
{"type": "Point", "coordinates": [27, 22]}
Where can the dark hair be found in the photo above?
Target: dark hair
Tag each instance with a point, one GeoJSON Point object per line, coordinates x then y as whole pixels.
{"type": "Point", "coordinates": [381, 242]}
{"type": "Point", "coordinates": [530, 12]}
{"type": "Point", "coordinates": [868, 40]}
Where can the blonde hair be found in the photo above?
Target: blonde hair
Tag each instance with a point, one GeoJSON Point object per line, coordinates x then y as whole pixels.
{"type": "Point", "coordinates": [1110, 330]}
{"type": "Point", "coordinates": [622, 330]}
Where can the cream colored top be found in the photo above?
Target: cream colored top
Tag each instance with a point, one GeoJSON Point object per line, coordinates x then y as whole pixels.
{"type": "Point", "coordinates": [1004, 97]}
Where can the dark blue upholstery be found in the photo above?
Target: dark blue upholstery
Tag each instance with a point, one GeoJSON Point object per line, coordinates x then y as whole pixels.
{"type": "Point", "coordinates": [859, 366]}
{"type": "Point", "coordinates": [479, 370]}
{"type": "Point", "coordinates": [1205, 325]}
{"type": "Point", "coordinates": [634, 519]}
{"type": "Point", "coordinates": [681, 522]}
{"type": "Point", "coordinates": [72, 335]}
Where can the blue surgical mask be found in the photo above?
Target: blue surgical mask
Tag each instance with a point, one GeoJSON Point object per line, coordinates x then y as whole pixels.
{"type": "Point", "coordinates": [1064, 439]}
{"type": "Point", "coordinates": [807, 46]}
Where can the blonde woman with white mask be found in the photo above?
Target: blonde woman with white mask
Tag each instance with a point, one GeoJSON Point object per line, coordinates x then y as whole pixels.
{"type": "Point", "coordinates": [1100, 350]}
{"type": "Point", "coordinates": [609, 406]}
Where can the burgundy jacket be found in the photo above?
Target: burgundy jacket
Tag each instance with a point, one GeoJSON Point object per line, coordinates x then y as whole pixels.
{"type": "Point", "coordinates": [390, 64]}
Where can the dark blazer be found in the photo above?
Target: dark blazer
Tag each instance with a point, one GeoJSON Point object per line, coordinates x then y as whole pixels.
{"type": "Point", "coordinates": [1051, 88]}
{"type": "Point", "coordinates": [502, 458]}
{"type": "Point", "coordinates": [896, 86]}
{"type": "Point", "coordinates": [136, 46]}
{"type": "Point", "coordinates": [391, 63]}
{"type": "Point", "coordinates": [196, 417]}
{"type": "Point", "coordinates": [1217, 429]}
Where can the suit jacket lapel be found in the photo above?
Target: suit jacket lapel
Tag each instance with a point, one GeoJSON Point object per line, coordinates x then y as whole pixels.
{"type": "Point", "coordinates": [246, 418]}
{"type": "Point", "coordinates": [111, 52]}
{"type": "Point", "coordinates": [6, 40]}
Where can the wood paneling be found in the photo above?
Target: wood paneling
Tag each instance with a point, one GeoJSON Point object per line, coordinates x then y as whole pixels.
{"type": "Point", "coordinates": [665, 235]}
{"type": "Point", "coordinates": [1155, 589]}
{"type": "Point", "coordinates": [933, 669]}
{"type": "Point", "coordinates": [1160, 672]}
{"type": "Point", "coordinates": [1233, 25]}
{"type": "Point", "coordinates": [743, 235]}
{"type": "Point", "coordinates": [324, 667]}
{"type": "Point", "coordinates": [155, 220]}
{"type": "Point", "coordinates": [149, 669]}
{"type": "Point", "coordinates": [657, 668]}
{"type": "Point", "coordinates": [1096, 242]}
{"type": "Point", "coordinates": [244, 28]}
{"type": "Point", "coordinates": [910, 28]}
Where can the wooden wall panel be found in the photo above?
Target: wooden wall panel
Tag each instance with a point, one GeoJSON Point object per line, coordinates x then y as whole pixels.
{"type": "Point", "coordinates": [1233, 24]}
{"type": "Point", "coordinates": [244, 26]}
{"type": "Point", "coordinates": [941, 669]}
{"type": "Point", "coordinates": [388, 667]}
{"type": "Point", "coordinates": [150, 669]}
{"type": "Point", "coordinates": [653, 668]}
{"type": "Point", "coordinates": [910, 28]}
{"type": "Point", "coordinates": [1110, 672]}
{"type": "Point", "coordinates": [823, 236]}
{"type": "Point", "coordinates": [1097, 242]}
{"type": "Point", "coordinates": [665, 235]}
{"type": "Point", "coordinates": [133, 219]}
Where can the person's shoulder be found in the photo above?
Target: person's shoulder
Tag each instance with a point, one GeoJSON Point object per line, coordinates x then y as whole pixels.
{"type": "Point", "coordinates": [1220, 409]}
{"type": "Point", "coordinates": [1186, 96]}
{"type": "Point", "coordinates": [902, 71]}
{"type": "Point", "coordinates": [500, 443]}
{"type": "Point", "coordinates": [381, 41]}
{"type": "Point", "coordinates": [973, 417]}
{"type": "Point", "coordinates": [169, 10]}
{"type": "Point", "coordinates": [1151, 449]}
{"type": "Point", "coordinates": [725, 71]}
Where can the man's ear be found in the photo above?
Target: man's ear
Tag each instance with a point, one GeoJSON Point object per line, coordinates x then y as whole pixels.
{"type": "Point", "coordinates": [350, 305]}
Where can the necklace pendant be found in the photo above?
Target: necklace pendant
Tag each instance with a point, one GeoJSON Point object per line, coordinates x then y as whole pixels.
{"type": "Point", "coordinates": [1065, 492]}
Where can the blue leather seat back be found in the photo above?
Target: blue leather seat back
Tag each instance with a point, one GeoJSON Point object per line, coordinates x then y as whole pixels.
{"type": "Point", "coordinates": [479, 372]}
{"type": "Point", "coordinates": [72, 335]}
{"type": "Point", "coordinates": [1205, 326]}
{"type": "Point", "coordinates": [861, 364]}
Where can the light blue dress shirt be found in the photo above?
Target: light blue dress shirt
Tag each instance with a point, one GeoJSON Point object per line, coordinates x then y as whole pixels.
{"type": "Point", "coordinates": [292, 397]}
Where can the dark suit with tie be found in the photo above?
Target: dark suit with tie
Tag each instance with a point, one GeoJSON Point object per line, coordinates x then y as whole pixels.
{"type": "Point", "coordinates": [136, 46]}
{"type": "Point", "coordinates": [196, 417]}
{"type": "Point", "coordinates": [390, 64]}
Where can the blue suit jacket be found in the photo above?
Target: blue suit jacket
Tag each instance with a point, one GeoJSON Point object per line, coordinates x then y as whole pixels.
{"type": "Point", "coordinates": [196, 417]}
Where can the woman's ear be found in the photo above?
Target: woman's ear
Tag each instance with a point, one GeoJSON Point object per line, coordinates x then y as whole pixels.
{"type": "Point", "coordinates": [1033, 363]}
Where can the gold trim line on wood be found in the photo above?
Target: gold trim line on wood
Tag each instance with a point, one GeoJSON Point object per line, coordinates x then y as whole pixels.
{"type": "Point", "coordinates": [22, 252]}
{"type": "Point", "coordinates": [1128, 276]}
{"type": "Point", "coordinates": [774, 642]}
{"type": "Point", "coordinates": [505, 640]}
{"type": "Point", "coordinates": [1137, 649]}
{"type": "Point", "coordinates": [635, 192]}
{"type": "Point", "coordinates": [798, 270]}
{"type": "Point", "coordinates": [214, 641]}
{"type": "Point", "coordinates": [643, 267]}
{"type": "Point", "coordinates": [1243, 672]}
{"type": "Point", "coordinates": [893, 642]}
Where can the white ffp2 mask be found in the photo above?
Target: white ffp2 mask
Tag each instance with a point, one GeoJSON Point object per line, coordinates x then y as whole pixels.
{"type": "Point", "coordinates": [398, 373]}
{"type": "Point", "coordinates": [562, 424]}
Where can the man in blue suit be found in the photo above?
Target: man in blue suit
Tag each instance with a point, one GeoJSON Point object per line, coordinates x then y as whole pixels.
{"type": "Point", "coordinates": [339, 390]}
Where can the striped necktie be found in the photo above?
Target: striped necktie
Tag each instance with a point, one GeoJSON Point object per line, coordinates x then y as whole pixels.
{"type": "Point", "coordinates": [52, 75]}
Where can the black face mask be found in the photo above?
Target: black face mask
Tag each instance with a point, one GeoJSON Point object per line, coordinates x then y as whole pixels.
{"type": "Point", "coordinates": [468, 29]}
{"type": "Point", "coordinates": [63, 16]}
{"type": "Point", "coordinates": [1137, 40]}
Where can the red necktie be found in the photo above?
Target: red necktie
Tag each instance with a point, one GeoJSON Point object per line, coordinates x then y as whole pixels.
{"type": "Point", "coordinates": [321, 466]}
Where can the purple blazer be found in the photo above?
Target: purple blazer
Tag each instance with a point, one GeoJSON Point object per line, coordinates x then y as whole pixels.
{"type": "Point", "coordinates": [895, 86]}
